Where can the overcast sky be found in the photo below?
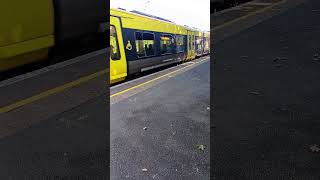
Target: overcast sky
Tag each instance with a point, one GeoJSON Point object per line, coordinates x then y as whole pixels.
{"type": "Point", "coordinates": [193, 13]}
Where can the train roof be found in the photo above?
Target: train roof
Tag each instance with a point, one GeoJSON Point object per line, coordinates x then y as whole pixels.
{"type": "Point", "coordinates": [152, 16]}
{"type": "Point", "coordinates": [141, 14]}
{"type": "Point", "coordinates": [142, 22]}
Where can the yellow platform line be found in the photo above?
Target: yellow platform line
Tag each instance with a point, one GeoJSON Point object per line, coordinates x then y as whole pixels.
{"type": "Point", "coordinates": [50, 92]}
{"type": "Point", "coordinates": [152, 80]}
{"type": "Point", "coordinates": [246, 16]}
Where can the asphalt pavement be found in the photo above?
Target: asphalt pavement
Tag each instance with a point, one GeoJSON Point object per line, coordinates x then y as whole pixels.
{"type": "Point", "coordinates": [158, 133]}
{"type": "Point", "coordinates": [66, 135]}
{"type": "Point", "coordinates": [54, 122]}
{"type": "Point", "coordinates": [71, 145]}
{"type": "Point", "coordinates": [266, 98]}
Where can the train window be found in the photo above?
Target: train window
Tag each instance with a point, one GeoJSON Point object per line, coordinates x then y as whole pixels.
{"type": "Point", "coordinates": [193, 43]}
{"type": "Point", "coordinates": [180, 43]}
{"type": "Point", "coordinates": [206, 43]}
{"type": "Point", "coordinates": [166, 44]}
{"type": "Point", "coordinates": [145, 44]}
{"type": "Point", "coordinates": [139, 45]}
{"type": "Point", "coordinates": [198, 43]}
{"type": "Point", "coordinates": [114, 46]}
{"type": "Point", "coordinates": [148, 42]}
{"type": "Point", "coordinates": [189, 44]}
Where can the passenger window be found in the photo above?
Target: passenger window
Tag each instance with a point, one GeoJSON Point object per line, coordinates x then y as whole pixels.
{"type": "Point", "coordinates": [189, 42]}
{"type": "Point", "coordinates": [193, 43]}
{"type": "Point", "coordinates": [198, 43]}
{"type": "Point", "coordinates": [180, 43]}
{"type": "Point", "coordinates": [148, 41]}
{"type": "Point", "coordinates": [166, 43]}
{"type": "Point", "coordinates": [139, 45]}
{"type": "Point", "coordinates": [145, 44]}
{"type": "Point", "coordinates": [206, 43]}
{"type": "Point", "coordinates": [114, 46]}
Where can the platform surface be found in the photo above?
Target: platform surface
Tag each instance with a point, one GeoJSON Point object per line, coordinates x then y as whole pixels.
{"type": "Point", "coordinates": [266, 96]}
{"type": "Point", "coordinates": [160, 125]}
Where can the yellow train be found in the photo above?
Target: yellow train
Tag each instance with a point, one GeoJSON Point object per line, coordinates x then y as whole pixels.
{"type": "Point", "coordinates": [140, 42]}
{"type": "Point", "coordinates": [31, 30]}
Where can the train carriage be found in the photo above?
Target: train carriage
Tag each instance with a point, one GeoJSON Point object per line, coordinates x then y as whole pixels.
{"type": "Point", "coordinates": [32, 29]}
{"type": "Point", "coordinates": [139, 42]}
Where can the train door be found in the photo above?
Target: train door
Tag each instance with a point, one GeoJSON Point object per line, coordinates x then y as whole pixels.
{"type": "Point", "coordinates": [206, 44]}
{"type": "Point", "coordinates": [199, 46]}
{"type": "Point", "coordinates": [118, 63]}
{"type": "Point", "coordinates": [193, 46]}
{"type": "Point", "coordinates": [202, 43]}
{"type": "Point", "coordinates": [189, 42]}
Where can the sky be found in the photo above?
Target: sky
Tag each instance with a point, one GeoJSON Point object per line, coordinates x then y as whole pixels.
{"type": "Point", "coordinates": [193, 13]}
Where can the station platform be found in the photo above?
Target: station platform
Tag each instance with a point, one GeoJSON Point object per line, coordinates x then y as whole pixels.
{"type": "Point", "coordinates": [266, 93]}
{"type": "Point", "coordinates": [53, 121]}
{"type": "Point", "coordinates": [157, 121]}
{"type": "Point", "coordinates": [59, 134]}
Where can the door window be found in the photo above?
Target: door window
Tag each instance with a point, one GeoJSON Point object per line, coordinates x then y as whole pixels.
{"type": "Point", "coordinates": [114, 46]}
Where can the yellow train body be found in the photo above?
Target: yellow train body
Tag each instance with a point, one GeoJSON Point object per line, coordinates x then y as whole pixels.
{"type": "Point", "coordinates": [118, 68]}
{"type": "Point", "coordinates": [31, 28]}
{"type": "Point", "coordinates": [120, 19]}
{"type": "Point", "coordinates": [26, 32]}
{"type": "Point", "coordinates": [135, 21]}
{"type": "Point", "coordinates": [207, 42]}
